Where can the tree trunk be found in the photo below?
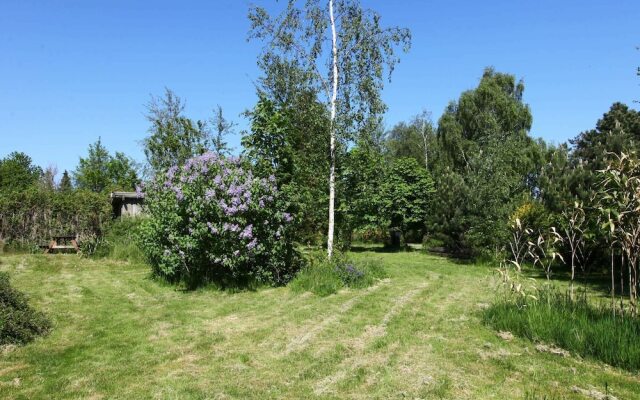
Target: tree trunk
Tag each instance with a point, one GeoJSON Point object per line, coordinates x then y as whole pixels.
{"type": "Point", "coordinates": [424, 139]}
{"type": "Point", "coordinates": [332, 147]}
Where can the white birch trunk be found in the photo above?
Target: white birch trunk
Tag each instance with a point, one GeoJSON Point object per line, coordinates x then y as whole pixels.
{"type": "Point", "coordinates": [424, 139]}
{"type": "Point", "coordinates": [332, 148]}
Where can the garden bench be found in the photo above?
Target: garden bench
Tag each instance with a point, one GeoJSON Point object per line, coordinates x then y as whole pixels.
{"type": "Point", "coordinates": [62, 243]}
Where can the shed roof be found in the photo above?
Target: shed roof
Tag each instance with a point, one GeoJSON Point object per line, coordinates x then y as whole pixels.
{"type": "Point", "coordinates": [126, 195]}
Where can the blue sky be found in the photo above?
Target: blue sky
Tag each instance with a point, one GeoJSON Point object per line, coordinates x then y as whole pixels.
{"type": "Point", "coordinates": [71, 71]}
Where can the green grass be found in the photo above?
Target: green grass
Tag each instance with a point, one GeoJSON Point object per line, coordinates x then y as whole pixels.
{"type": "Point", "coordinates": [578, 326]}
{"type": "Point", "coordinates": [417, 334]}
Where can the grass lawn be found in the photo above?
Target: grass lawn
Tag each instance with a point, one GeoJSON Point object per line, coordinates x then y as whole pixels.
{"type": "Point", "coordinates": [119, 335]}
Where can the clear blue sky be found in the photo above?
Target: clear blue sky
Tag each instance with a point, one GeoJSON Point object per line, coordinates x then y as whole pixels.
{"type": "Point", "coordinates": [71, 71]}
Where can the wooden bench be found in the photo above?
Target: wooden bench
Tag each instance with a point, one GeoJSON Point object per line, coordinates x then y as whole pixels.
{"type": "Point", "coordinates": [64, 243]}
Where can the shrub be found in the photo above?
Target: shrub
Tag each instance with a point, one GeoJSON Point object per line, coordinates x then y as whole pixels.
{"type": "Point", "coordinates": [31, 216]}
{"type": "Point", "coordinates": [324, 277]}
{"type": "Point", "coordinates": [211, 220]}
{"type": "Point", "coordinates": [19, 323]}
{"type": "Point", "coordinates": [575, 325]}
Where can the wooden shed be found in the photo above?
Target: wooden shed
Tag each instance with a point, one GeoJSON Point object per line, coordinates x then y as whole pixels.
{"type": "Point", "coordinates": [128, 204]}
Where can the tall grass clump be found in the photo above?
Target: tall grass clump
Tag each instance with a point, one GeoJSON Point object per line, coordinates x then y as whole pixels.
{"type": "Point", "coordinates": [19, 323]}
{"type": "Point", "coordinates": [325, 277]}
{"type": "Point", "coordinates": [119, 241]}
{"type": "Point", "coordinates": [575, 325]}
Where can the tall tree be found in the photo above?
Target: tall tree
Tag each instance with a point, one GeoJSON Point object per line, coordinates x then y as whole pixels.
{"type": "Point", "coordinates": [123, 172]}
{"type": "Point", "coordinates": [288, 140]}
{"type": "Point", "coordinates": [173, 138]}
{"type": "Point", "coordinates": [92, 172]}
{"type": "Point", "coordinates": [414, 139]}
{"type": "Point", "coordinates": [101, 172]}
{"type": "Point", "coordinates": [485, 151]}
{"type": "Point", "coordinates": [358, 50]}
{"type": "Point", "coordinates": [48, 178]}
{"type": "Point", "coordinates": [406, 196]}
{"type": "Point", "coordinates": [17, 172]}
{"type": "Point", "coordinates": [617, 131]}
{"type": "Point", "coordinates": [65, 182]}
{"type": "Point", "coordinates": [222, 128]}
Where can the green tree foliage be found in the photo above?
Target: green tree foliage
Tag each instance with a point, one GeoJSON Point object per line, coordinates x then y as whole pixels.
{"type": "Point", "coordinates": [222, 128]}
{"type": "Point", "coordinates": [65, 182]}
{"type": "Point", "coordinates": [289, 142]}
{"type": "Point", "coordinates": [415, 139]}
{"type": "Point", "coordinates": [18, 172]}
{"type": "Point", "coordinates": [406, 195]}
{"type": "Point", "coordinates": [485, 163]}
{"type": "Point", "coordinates": [617, 131]}
{"type": "Point", "coordinates": [35, 214]}
{"type": "Point", "coordinates": [347, 72]}
{"type": "Point", "coordinates": [100, 172]}
{"type": "Point", "coordinates": [122, 171]}
{"type": "Point", "coordinates": [362, 176]}
{"type": "Point", "coordinates": [173, 138]}
{"type": "Point", "coordinates": [48, 177]}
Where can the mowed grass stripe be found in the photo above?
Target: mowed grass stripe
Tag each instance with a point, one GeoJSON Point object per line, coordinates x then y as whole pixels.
{"type": "Point", "coordinates": [120, 335]}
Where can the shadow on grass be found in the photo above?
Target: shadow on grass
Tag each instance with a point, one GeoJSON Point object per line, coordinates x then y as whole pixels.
{"type": "Point", "coordinates": [381, 249]}
{"type": "Point", "coordinates": [597, 282]}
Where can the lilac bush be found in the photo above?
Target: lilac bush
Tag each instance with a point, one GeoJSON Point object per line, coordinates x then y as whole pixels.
{"type": "Point", "coordinates": [213, 220]}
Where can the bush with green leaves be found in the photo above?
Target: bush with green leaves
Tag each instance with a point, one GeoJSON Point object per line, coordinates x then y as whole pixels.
{"type": "Point", "coordinates": [324, 276]}
{"type": "Point", "coordinates": [19, 323]}
{"type": "Point", "coordinates": [212, 220]}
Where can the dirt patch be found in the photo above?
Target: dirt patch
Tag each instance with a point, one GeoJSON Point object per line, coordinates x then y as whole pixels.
{"type": "Point", "coordinates": [13, 368]}
{"type": "Point", "coordinates": [505, 335]}
{"type": "Point", "coordinates": [7, 348]}
{"type": "Point", "coordinates": [593, 393]}
{"type": "Point", "coordinates": [543, 348]}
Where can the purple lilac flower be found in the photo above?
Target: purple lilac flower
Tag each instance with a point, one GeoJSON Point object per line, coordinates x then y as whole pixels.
{"type": "Point", "coordinates": [230, 227]}
{"type": "Point", "coordinates": [252, 244]}
{"type": "Point", "coordinates": [210, 193]}
{"type": "Point", "coordinates": [212, 228]}
{"type": "Point", "coordinates": [179, 194]}
{"type": "Point", "coordinates": [247, 233]}
{"type": "Point", "coordinates": [172, 172]}
{"type": "Point", "coordinates": [287, 217]}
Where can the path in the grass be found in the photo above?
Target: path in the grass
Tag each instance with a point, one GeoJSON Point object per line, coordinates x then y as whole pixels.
{"type": "Point", "coordinates": [370, 333]}
{"type": "Point", "coordinates": [300, 342]}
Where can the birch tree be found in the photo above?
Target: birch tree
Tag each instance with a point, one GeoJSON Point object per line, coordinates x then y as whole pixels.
{"type": "Point", "coordinates": [343, 54]}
